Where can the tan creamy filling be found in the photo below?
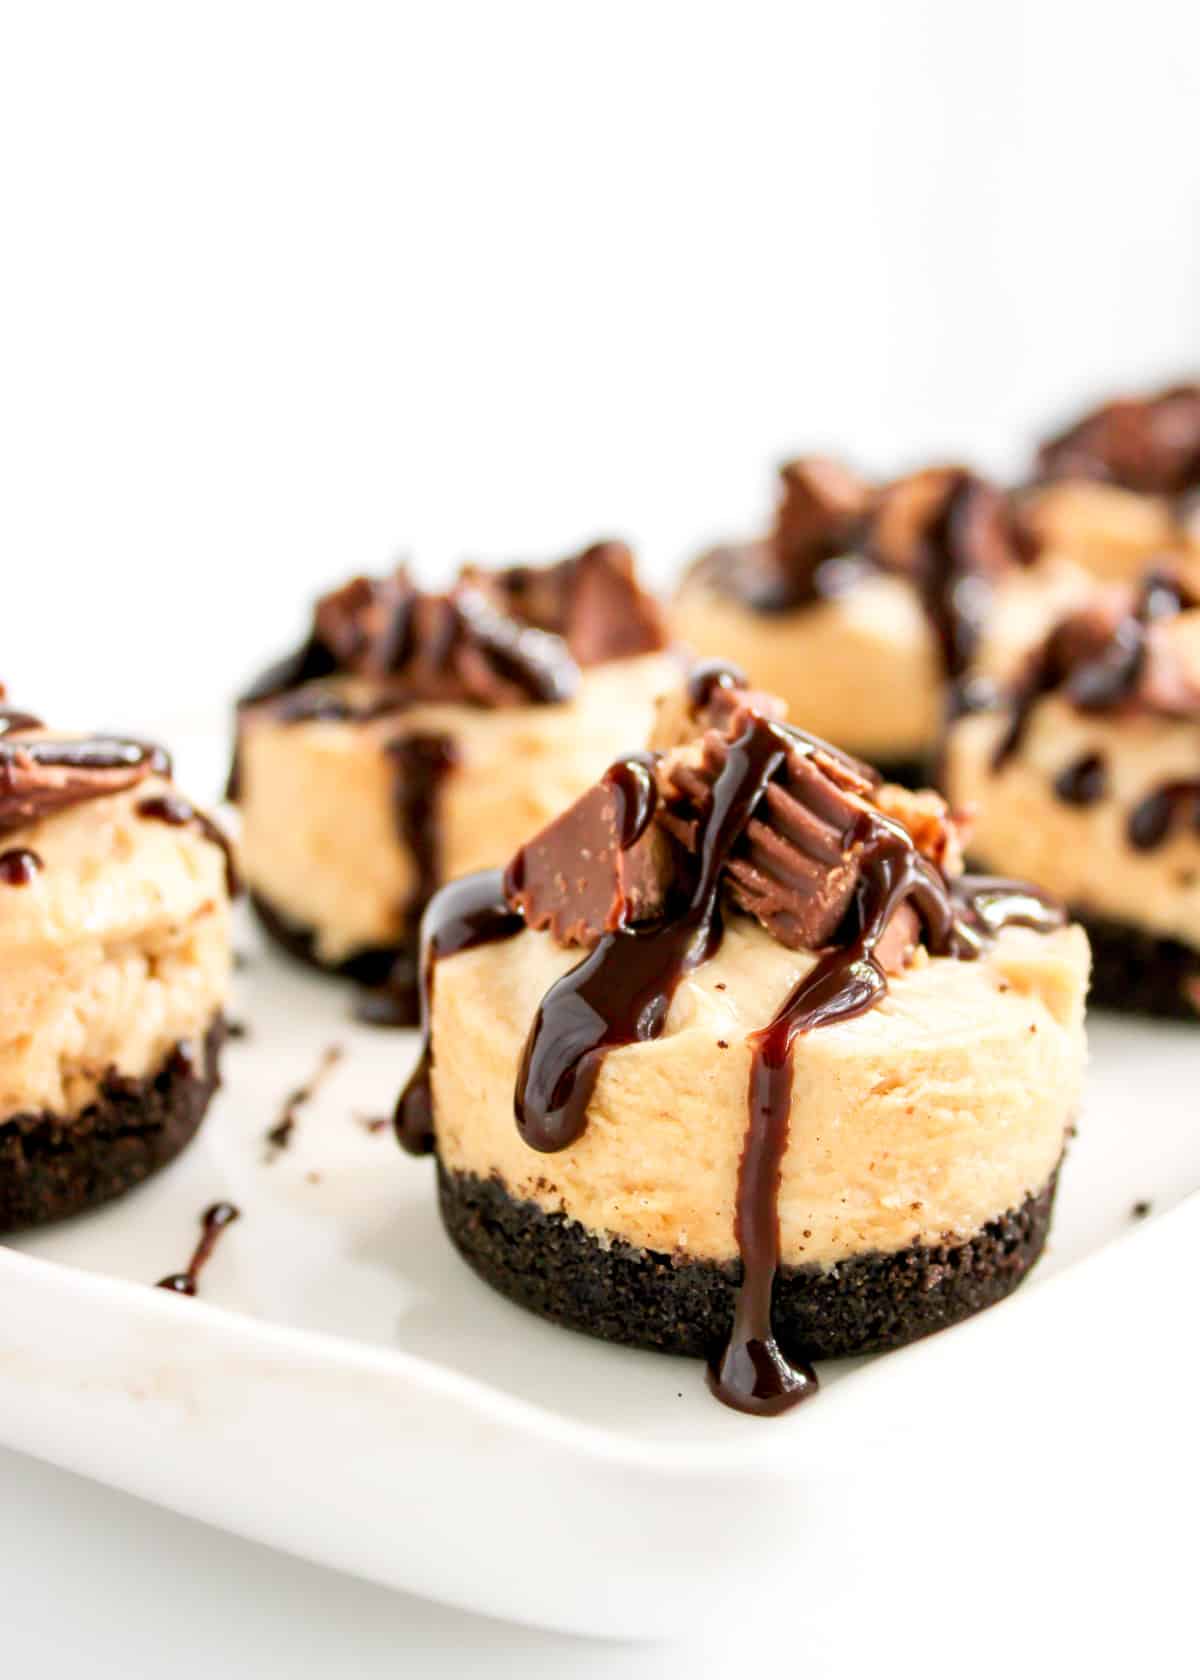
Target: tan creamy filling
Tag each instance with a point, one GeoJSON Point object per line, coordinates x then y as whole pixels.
{"type": "Point", "coordinates": [1114, 533]}
{"type": "Point", "coordinates": [319, 828]}
{"type": "Point", "coordinates": [1082, 854]}
{"type": "Point", "coordinates": [116, 951]}
{"type": "Point", "coordinates": [941, 1109]}
{"type": "Point", "coordinates": [864, 669]}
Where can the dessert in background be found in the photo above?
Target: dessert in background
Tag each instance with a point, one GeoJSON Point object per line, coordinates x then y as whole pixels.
{"type": "Point", "coordinates": [865, 606]}
{"type": "Point", "coordinates": [415, 737]}
{"type": "Point", "coordinates": [1118, 489]}
{"type": "Point", "coordinates": [114, 928]}
{"type": "Point", "coordinates": [787, 1085]}
{"type": "Point", "coordinates": [1086, 779]}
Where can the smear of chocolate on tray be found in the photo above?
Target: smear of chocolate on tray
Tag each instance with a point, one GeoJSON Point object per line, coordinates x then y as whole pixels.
{"type": "Point", "coordinates": [279, 1136]}
{"type": "Point", "coordinates": [213, 1221]}
{"type": "Point", "coordinates": [1147, 444]}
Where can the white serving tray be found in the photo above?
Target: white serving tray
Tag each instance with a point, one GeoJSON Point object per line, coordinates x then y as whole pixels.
{"type": "Point", "coordinates": [347, 1390]}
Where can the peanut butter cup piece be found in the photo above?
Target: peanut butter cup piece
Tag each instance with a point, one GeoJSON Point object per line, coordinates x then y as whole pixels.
{"type": "Point", "coordinates": [593, 601]}
{"type": "Point", "coordinates": [1147, 444]}
{"type": "Point", "coordinates": [579, 879]}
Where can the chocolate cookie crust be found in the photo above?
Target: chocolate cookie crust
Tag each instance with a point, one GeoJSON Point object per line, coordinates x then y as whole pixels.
{"type": "Point", "coordinates": [553, 1266]}
{"type": "Point", "coordinates": [52, 1166]}
{"type": "Point", "coordinates": [1138, 973]}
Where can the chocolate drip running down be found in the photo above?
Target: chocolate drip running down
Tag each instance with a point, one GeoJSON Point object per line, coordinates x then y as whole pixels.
{"type": "Point", "coordinates": [407, 649]}
{"type": "Point", "coordinates": [421, 764]}
{"type": "Point", "coordinates": [216, 1219]}
{"type": "Point", "coordinates": [177, 812]}
{"type": "Point", "coordinates": [1152, 821]}
{"type": "Point", "coordinates": [19, 866]}
{"type": "Point", "coordinates": [621, 991]}
{"type": "Point", "coordinates": [1084, 781]}
{"type": "Point", "coordinates": [461, 916]}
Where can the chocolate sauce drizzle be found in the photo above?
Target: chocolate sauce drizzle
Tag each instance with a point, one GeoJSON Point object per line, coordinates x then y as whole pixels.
{"type": "Point", "coordinates": [422, 763]}
{"type": "Point", "coordinates": [98, 752]}
{"type": "Point", "coordinates": [173, 809]}
{"type": "Point", "coordinates": [1101, 679]}
{"type": "Point", "coordinates": [621, 992]}
{"type": "Point", "coordinates": [47, 773]}
{"type": "Point", "coordinates": [469, 912]}
{"type": "Point", "coordinates": [1084, 781]}
{"type": "Point", "coordinates": [18, 866]}
{"type": "Point", "coordinates": [1154, 818]}
{"type": "Point", "coordinates": [216, 1219]}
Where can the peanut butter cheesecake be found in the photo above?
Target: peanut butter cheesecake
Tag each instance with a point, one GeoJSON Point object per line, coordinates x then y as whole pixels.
{"type": "Point", "coordinates": [416, 737]}
{"type": "Point", "coordinates": [114, 927]}
{"type": "Point", "coordinates": [1118, 489]}
{"type": "Point", "coordinates": [866, 606]}
{"type": "Point", "coordinates": [1086, 777]}
{"type": "Point", "coordinates": [733, 1061]}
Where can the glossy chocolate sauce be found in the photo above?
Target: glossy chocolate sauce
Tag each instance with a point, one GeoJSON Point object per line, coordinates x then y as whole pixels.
{"type": "Point", "coordinates": [632, 779]}
{"type": "Point", "coordinates": [955, 598]}
{"type": "Point", "coordinates": [216, 1219]}
{"type": "Point", "coordinates": [178, 812]}
{"type": "Point", "coordinates": [421, 764]}
{"type": "Point", "coordinates": [1084, 781]}
{"type": "Point", "coordinates": [18, 866]}
{"type": "Point", "coordinates": [752, 1373]}
{"type": "Point", "coordinates": [1155, 817]}
{"type": "Point", "coordinates": [462, 915]}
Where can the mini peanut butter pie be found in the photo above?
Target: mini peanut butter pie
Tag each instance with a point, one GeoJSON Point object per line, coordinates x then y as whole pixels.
{"type": "Point", "coordinates": [1118, 489]}
{"type": "Point", "coordinates": [1086, 778]}
{"type": "Point", "coordinates": [787, 1085]}
{"type": "Point", "coordinates": [866, 607]}
{"type": "Point", "coordinates": [114, 927]}
{"type": "Point", "coordinates": [416, 737]}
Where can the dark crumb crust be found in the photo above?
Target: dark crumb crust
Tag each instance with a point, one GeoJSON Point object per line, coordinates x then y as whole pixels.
{"type": "Point", "coordinates": [1140, 974]}
{"type": "Point", "coordinates": [51, 1166]}
{"type": "Point", "coordinates": [369, 967]}
{"type": "Point", "coordinates": [556, 1268]}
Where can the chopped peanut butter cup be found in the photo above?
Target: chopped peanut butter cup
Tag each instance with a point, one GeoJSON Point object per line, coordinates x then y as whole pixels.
{"type": "Point", "coordinates": [1148, 444]}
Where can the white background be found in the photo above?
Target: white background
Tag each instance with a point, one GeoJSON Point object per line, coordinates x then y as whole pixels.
{"type": "Point", "coordinates": [288, 290]}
